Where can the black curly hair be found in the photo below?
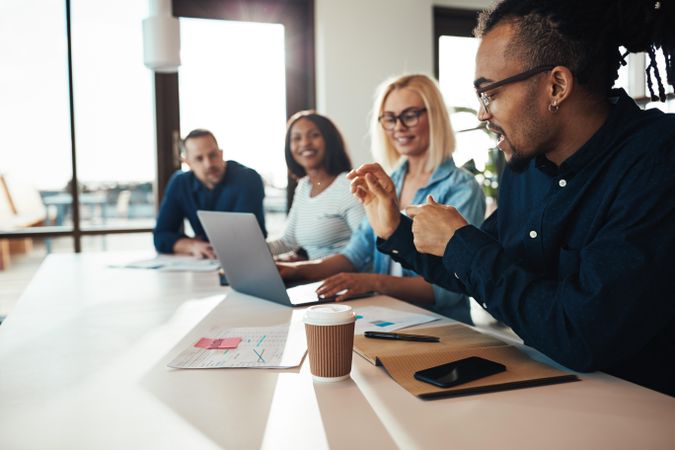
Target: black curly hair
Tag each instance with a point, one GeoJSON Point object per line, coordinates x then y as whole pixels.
{"type": "Point", "coordinates": [585, 36]}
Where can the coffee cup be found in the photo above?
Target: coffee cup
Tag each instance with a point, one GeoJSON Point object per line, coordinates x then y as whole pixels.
{"type": "Point", "coordinates": [330, 339]}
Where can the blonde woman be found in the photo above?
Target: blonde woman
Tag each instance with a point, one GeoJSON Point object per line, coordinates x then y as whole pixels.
{"type": "Point", "coordinates": [412, 136]}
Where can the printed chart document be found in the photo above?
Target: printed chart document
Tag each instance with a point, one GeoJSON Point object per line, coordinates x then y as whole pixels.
{"type": "Point", "coordinates": [378, 318]}
{"type": "Point", "coordinates": [174, 263]}
{"type": "Point", "coordinates": [277, 347]}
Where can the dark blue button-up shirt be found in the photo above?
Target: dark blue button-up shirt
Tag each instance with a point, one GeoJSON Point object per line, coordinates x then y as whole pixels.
{"type": "Point", "coordinates": [579, 259]}
{"type": "Point", "coordinates": [240, 190]}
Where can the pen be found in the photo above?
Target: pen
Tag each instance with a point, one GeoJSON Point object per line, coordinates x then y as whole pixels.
{"type": "Point", "coordinates": [401, 337]}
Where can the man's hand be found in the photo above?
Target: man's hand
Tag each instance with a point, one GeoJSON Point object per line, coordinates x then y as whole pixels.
{"type": "Point", "coordinates": [434, 225]}
{"type": "Point", "coordinates": [348, 285]}
{"type": "Point", "coordinates": [202, 249]}
{"type": "Point", "coordinates": [374, 189]}
{"type": "Point", "coordinates": [194, 247]}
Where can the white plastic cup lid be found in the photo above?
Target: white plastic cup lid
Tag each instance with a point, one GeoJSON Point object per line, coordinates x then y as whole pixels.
{"type": "Point", "coordinates": [329, 314]}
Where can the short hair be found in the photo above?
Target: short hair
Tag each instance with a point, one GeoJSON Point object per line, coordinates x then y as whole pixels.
{"type": "Point", "coordinates": [441, 135]}
{"type": "Point", "coordinates": [196, 133]}
{"type": "Point", "coordinates": [585, 36]}
{"type": "Point", "coordinates": [336, 160]}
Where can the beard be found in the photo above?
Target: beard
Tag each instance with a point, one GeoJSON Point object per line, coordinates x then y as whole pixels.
{"type": "Point", "coordinates": [519, 162]}
{"type": "Point", "coordinates": [532, 133]}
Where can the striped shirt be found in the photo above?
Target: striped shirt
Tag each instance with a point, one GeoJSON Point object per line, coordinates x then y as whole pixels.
{"type": "Point", "coordinates": [322, 225]}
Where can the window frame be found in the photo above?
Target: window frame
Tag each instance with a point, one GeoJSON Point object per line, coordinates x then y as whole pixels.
{"type": "Point", "coordinates": [297, 16]}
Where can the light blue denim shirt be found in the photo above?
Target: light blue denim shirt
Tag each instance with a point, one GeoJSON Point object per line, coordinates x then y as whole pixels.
{"type": "Point", "coordinates": [449, 185]}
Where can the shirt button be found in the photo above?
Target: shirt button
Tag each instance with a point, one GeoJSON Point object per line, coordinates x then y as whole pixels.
{"type": "Point", "coordinates": [533, 234]}
{"type": "Point", "coordinates": [456, 276]}
{"type": "Point", "coordinates": [485, 305]}
{"type": "Point", "coordinates": [562, 183]}
{"type": "Point", "coordinates": [395, 252]}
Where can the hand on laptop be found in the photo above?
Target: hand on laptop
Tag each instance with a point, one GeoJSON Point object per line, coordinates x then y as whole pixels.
{"type": "Point", "coordinates": [194, 247]}
{"type": "Point", "coordinates": [346, 285]}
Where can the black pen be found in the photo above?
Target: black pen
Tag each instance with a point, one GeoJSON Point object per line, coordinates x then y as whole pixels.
{"type": "Point", "coordinates": [401, 337]}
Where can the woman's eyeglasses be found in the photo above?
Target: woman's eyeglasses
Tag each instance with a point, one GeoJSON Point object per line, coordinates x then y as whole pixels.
{"type": "Point", "coordinates": [408, 118]}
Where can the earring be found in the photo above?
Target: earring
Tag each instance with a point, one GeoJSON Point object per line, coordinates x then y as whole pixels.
{"type": "Point", "coordinates": [553, 107]}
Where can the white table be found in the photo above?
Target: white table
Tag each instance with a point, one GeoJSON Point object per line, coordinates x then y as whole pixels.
{"type": "Point", "coordinates": [83, 366]}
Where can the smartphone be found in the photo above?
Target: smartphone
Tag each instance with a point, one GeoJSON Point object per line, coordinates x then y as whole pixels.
{"type": "Point", "coordinates": [459, 372]}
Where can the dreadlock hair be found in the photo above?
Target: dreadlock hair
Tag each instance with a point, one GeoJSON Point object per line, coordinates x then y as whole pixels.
{"type": "Point", "coordinates": [585, 36]}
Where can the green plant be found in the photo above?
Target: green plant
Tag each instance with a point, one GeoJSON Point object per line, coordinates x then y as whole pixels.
{"type": "Point", "coordinates": [488, 178]}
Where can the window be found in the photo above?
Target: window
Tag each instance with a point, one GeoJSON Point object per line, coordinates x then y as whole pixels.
{"type": "Point", "coordinates": [113, 124]}
{"type": "Point", "coordinates": [117, 157]}
{"type": "Point", "coordinates": [114, 121]}
{"type": "Point", "coordinates": [297, 19]}
{"type": "Point", "coordinates": [455, 69]}
{"type": "Point", "coordinates": [232, 83]}
{"type": "Point", "coordinates": [35, 155]}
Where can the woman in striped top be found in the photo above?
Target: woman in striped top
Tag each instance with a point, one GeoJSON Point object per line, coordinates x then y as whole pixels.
{"type": "Point", "coordinates": [411, 133]}
{"type": "Point", "coordinates": [324, 213]}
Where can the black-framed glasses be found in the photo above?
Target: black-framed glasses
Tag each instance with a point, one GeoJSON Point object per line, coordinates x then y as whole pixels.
{"type": "Point", "coordinates": [482, 91]}
{"type": "Point", "coordinates": [408, 118]}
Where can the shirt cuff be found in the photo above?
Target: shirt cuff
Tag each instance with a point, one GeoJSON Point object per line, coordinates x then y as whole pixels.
{"type": "Point", "coordinates": [400, 242]}
{"type": "Point", "coordinates": [461, 251]}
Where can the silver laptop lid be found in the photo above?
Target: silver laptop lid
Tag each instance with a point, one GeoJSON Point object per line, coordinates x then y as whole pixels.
{"type": "Point", "coordinates": [244, 255]}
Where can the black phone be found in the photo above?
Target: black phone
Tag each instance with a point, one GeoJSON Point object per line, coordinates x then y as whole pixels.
{"type": "Point", "coordinates": [459, 372]}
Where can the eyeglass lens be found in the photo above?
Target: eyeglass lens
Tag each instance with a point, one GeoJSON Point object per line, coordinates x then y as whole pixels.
{"type": "Point", "coordinates": [408, 118]}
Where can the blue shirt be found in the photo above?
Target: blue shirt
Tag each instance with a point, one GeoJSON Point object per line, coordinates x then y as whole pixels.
{"type": "Point", "coordinates": [240, 190]}
{"type": "Point", "coordinates": [578, 259]}
{"type": "Point", "coordinates": [449, 185]}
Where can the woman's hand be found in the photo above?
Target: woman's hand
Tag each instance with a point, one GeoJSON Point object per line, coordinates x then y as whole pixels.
{"type": "Point", "coordinates": [374, 189]}
{"type": "Point", "coordinates": [289, 271]}
{"type": "Point", "coordinates": [347, 284]}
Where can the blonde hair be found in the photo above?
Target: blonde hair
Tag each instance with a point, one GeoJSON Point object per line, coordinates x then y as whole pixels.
{"type": "Point", "coordinates": [441, 135]}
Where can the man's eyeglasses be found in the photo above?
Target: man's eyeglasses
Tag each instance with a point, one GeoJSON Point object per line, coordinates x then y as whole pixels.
{"type": "Point", "coordinates": [482, 91]}
{"type": "Point", "coordinates": [408, 118]}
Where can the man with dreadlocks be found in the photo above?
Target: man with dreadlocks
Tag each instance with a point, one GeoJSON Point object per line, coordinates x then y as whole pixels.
{"type": "Point", "coordinates": [578, 258]}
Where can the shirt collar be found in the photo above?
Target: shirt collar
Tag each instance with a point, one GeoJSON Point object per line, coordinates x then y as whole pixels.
{"type": "Point", "coordinates": [195, 184]}
{"type": "Point", "coordinates": [622, 113]}
{"type": "Point", "coordinates": [441, 173]}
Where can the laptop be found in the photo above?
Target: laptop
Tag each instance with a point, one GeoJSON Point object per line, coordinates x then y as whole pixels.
{"type": "Point", "coordinates": [247, 261]}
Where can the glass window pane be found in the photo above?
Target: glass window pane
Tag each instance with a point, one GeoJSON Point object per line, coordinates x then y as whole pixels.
{"type": "Point", "coordinates": [457, 65]}
{"type": "Point", "coordinates": [35, 157]}
{"type": "Point", "coordinates": [232, 82]}
{"type": "Point", "coordinates": [114, 114]}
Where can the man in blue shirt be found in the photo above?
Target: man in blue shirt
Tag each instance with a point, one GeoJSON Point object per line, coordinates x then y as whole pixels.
{"type": "Point", "coordinates": [212, 184]}
{"type": "Point", "coordinates": [578, 258]}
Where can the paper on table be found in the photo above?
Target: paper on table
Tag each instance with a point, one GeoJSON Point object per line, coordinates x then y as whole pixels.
{"type": "Point", "coordinates": [277, 347]}
{"type": "Point", "coordinates": [174, 263]}
{"type": "Point", "coordinates": [379, 318]}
